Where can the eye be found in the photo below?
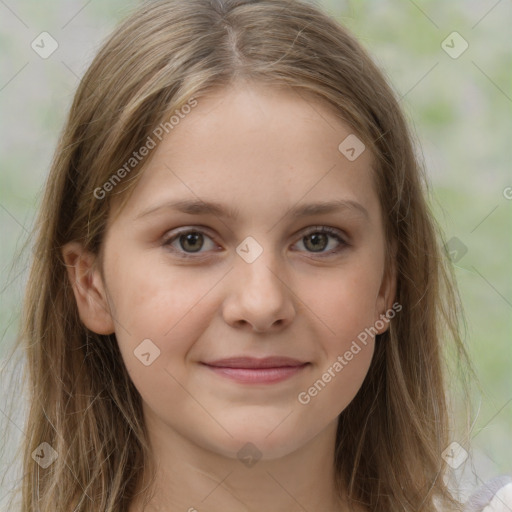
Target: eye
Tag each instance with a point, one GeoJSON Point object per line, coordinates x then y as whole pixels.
{"type": "Point", "coordinates": [187, 242]}
{"type": "Point", "coordinates": [317, 240]}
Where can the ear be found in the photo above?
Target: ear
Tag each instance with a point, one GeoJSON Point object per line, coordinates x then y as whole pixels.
{"type": "Point", "coordinates": [386, 294]}
{"type": "Point", "coordinates": [88, 288]}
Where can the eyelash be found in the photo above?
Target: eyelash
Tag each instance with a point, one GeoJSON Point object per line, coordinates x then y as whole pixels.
{"type": "Point", "coordinates": [316, 229]}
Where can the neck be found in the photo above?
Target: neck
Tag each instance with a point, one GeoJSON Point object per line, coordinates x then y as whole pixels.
{"type": "Point", "coordinates": [190, 478]}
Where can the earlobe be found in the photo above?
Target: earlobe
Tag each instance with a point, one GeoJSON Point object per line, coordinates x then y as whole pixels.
{"type": "Point", "coordinates": [88, 288]}
{"type": "Point", "coordinates": [386, 297]}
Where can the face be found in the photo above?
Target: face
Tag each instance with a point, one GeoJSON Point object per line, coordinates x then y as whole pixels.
{"type": "Point", "coordinates": [215, 258]}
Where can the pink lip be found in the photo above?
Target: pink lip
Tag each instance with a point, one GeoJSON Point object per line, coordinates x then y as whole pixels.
{"type": "Point", "coordinates": [249, 370]}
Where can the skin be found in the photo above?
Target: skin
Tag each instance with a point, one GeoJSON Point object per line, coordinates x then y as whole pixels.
{"type": "Point", "coordinates": [261, 151]}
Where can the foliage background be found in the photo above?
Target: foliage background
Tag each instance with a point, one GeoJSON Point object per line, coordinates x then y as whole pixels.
{"type": "Point", "coordinates": [460, 110]}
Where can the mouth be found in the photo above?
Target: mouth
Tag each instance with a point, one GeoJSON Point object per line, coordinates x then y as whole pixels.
{"type": "Point", "coordinates": [249, 370]}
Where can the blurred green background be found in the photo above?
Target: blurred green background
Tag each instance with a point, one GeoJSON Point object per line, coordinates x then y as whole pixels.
{"type": "Point", "coordinates": [460, 109]}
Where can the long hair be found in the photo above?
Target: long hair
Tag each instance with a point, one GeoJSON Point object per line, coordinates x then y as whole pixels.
{"type": "Point", "coordinates": [390, 438]}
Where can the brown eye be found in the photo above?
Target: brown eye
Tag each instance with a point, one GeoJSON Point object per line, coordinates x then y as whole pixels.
{"type": "Point", "coordinates": [188, 242]}
{"type": "Point", "coordinates": [318, 241]}
{"type": "Point", "coordinates": [192, 241]}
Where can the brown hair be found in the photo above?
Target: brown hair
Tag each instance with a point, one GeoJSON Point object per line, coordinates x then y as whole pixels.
{"type": "Point", "coordinates": [83, 403]}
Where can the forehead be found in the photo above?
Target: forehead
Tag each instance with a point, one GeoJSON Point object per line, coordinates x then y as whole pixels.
{"type": "Point", "coordinates": [258, 149]}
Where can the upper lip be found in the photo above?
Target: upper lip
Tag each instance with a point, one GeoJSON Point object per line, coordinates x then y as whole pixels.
{"type": "Point", "coordinates": [254, 362]}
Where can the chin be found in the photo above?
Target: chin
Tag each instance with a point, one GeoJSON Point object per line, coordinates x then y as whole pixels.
{"type": "Point", "coordinates": [265, 440]}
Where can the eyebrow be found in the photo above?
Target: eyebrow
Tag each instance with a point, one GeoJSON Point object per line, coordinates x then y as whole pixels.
{"type": "Point", "coordinates": [198, 207]}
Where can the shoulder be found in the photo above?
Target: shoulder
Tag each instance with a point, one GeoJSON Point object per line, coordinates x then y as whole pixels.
{"type": "Point", "coordinates": [494, 496]}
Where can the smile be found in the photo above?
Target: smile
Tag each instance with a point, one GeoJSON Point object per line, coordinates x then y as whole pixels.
{"type": "Point", "coordinates": [257, 371]}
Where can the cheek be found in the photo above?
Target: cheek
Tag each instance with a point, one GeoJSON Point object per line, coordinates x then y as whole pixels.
{"type": "Point", "coordinates": [332, 389]}
{"type": "Point", "coordinates": [153, 299]}
{"type": "Point", "coordinates": [169, 308]}
{"type": "Point", "coordinates": [345, 302]}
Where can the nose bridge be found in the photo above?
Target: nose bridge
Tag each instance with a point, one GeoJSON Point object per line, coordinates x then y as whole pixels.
{"type": "Point", "coordinates": [260, 296]}
{"type": "Point", "coordinates": [259, 265]}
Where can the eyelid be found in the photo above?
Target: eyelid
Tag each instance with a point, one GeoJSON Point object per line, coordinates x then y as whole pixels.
{"type": "Point", "coordinates": [325, 229]}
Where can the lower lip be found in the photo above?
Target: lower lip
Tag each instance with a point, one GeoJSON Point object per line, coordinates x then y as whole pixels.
{"type": "Point", "coordinates": [258, 375]}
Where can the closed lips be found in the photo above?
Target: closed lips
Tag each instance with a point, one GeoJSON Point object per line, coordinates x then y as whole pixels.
{"type": "Point", "coordinates": [255, 363]}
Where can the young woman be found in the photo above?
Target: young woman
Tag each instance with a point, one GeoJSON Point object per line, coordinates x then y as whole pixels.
{"type": "Point", "coordinates": [238, 299]}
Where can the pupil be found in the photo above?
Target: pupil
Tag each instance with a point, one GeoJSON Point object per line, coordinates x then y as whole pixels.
{"type": "Point", "coordinates": [317, 239]}
{"type": "Point", "coordinates": [191, 238]}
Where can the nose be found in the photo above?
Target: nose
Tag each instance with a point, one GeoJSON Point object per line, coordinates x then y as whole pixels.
{"type": "Point", "coordinates": [259, 299]}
